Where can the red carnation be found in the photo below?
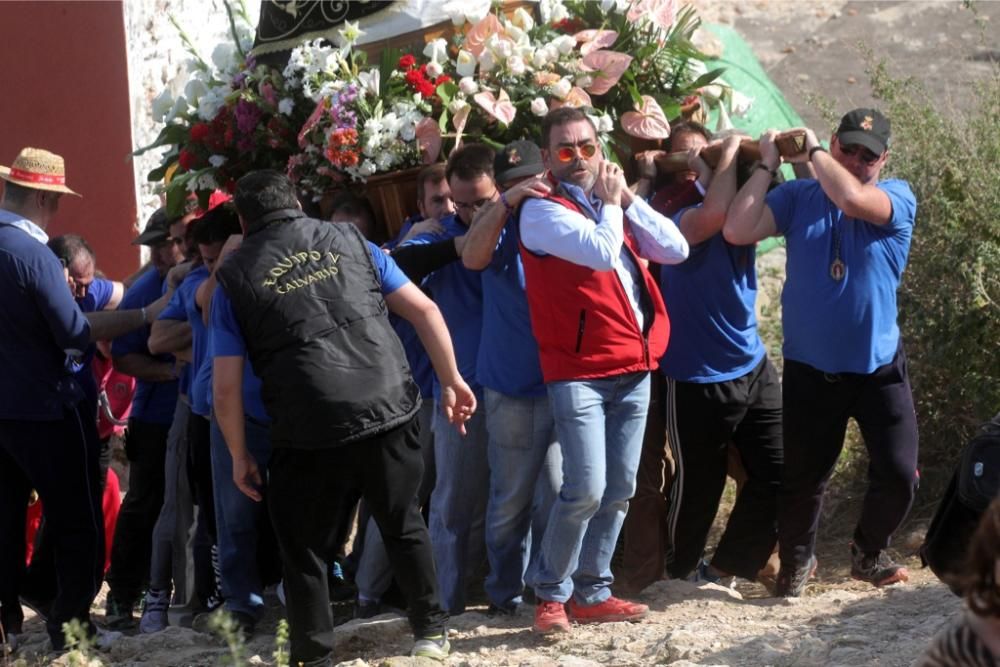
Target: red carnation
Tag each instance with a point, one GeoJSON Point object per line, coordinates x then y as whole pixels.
{"type": "Point", "coordinates": [187, 160]}
{"type": "Point", "coordinates": [199, 132]}
{"type": "Point", "coordinates": [444, 78]}
{"type": "Point", "coordinates": [407, 61]}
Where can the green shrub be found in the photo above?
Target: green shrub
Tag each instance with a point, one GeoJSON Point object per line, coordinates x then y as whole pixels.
{"type": "Point", "coordinates": [949, 301]}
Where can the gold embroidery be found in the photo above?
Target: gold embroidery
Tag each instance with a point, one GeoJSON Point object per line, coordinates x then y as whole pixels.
{"type": "Point", "coordinates": [301, 259]}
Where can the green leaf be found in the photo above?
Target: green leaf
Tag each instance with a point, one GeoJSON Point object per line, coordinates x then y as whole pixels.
{"type": "Point", "coordinates": [170, 134]}
{"type": "Point", "coordinates": [707, 77]}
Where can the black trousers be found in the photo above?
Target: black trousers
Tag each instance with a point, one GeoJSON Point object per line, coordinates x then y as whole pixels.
{"type": "Point", "coordinates": [199, 470]}
{"type": "Point", "coordinates": [146, 449]}
{"type": "Point", "coordinates": [702, 420]}
{"type": "Point", "coordinates": [817, 407]}
{"type": "Point", "coordinates": [307, 487]}
{"type": "Point", "coordinates": [60, 460]}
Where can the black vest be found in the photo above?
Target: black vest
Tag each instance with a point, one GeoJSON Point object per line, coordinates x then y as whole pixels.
{"type": "Point", "coordinates": [307, 297]}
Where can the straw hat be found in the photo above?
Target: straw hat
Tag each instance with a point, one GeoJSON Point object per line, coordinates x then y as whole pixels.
{"type": "Point", "coordinates": [38, 169]}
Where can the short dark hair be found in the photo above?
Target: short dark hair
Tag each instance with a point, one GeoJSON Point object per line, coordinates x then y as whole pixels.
{"type": "Point", "coordinates": [980, 585]}
{"type": "Point", "coordinates": [434, 173]}
{"type": "Point", "coordinates": [216, 225]}
{"type": "Point", "coordinates": [15, 194]}
{"type": "Point", "coordinates": [688, 127]}
{"type": "Point", "coordinates": [263, 191]}
{"type": "Point", "coordinates": [353, 205]}
{"type": "Point", "coordinates": [562, 116]}
{"type": "Point", "coordinates": [470, 162]}
{"type": "Point", "coordinates": [70, 247]}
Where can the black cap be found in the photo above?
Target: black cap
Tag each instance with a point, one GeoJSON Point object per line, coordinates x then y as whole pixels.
{"type": "Point", "coordinates": [157, 229]}
{"type": "Point", "coordinates": [516, 160]}
{"type": "Point", "coordinates": [865, 127]}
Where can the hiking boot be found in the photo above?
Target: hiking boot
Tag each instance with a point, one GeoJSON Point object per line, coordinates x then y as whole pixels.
{"type": "Point", "coordinates": [876, 567]}
{"type": "Point", "coordinates": [435, 647]}
{"type": "Point", "coordinates": [495, 610]}
{"type": "Point", "coordinates": [610, 611]}
{"type": "Point", "coordinates": [42, 608]}
{"type": "Point", "coordinates": [550, 616]}
{"type": "Point", "coordinates": [367, 609]}
{"type": "Point", "coordinates": [118, 614]}
{"type": "Point", "coordinates": [154, 613]}
{"type": "Point", "coordinates": [792, 580]}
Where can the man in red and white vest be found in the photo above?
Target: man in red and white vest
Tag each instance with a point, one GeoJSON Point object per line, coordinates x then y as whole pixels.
{"type": "Point", "coordinates": [601, 327]}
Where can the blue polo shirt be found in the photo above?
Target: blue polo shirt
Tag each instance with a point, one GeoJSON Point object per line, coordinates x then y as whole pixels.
{"type": "Point", "coordinates": [98, 296]}
{"type": "Point", "coordinates": [227, 338]}
{"type": "Point", "coordinates": [458, 293]}
{"type": "Point", "coordinates": [847, 325]}
{"type": "Point", "coordinates": [39, 322]}
{"type": "Point", "coordinates": [154, 402]}
{"type": "Point", "coordinates": [508, 352]}
{"type": "Point", "coordinates": [713, 326]}
{"type": "Point", "coordinates": [183, 307]}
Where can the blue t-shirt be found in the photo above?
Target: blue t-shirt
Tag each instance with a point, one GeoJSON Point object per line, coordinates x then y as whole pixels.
{"type": "Point", "coordinates": [98, 296]}
{"type": "Point", "coordinates": [154, 402]}
{"type": "Point", "coordinates": [508, 352]}
{"type": "Point", "coordinates": [458, 293]}
{"type": "Point", "coordinates": [847, 325]}
{"type": "Point", "coordinates": [227, 338]}
{"type": "Point", "coordinates": [713, 325]}
{"type": "Point", "coordinates": [39, 321]}
{"type": "Point", "coordinates": [184, 308]}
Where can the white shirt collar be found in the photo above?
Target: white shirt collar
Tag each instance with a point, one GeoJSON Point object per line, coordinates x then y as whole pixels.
{"type": "Point", "coordinates": [25, 225]}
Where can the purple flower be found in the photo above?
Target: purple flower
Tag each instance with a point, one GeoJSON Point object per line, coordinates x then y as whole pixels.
{"type": "Point", "coordinates": [247, 116]}
{"type": "Point", "coordinates": [239, 79]}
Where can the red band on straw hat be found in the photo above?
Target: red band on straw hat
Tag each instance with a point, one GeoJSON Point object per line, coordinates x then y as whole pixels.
{"type": "Point", "coordinates": [33, 177]}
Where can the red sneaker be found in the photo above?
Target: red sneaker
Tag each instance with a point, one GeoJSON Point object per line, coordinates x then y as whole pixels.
{"type": "Point", "coordinates": [550, 617]}
{"type": "Point", "coordinates": [611, 610]}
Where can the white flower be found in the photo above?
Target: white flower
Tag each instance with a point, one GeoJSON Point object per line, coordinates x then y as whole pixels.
{"type": "Point", "coordinates": [565, 44]}
{"type": "Point", "coordinates": [457, 15]}
{"type": "Point", "coordinates": [408, 132]}
{"type": "Point", "coordinates": [517, 35]}
{"type": "Point", "coordinates": [224, 57]}
{"type": "Point", "coordinates": [540, 59]}
{"type": "Point", "coordinates": [559, 12]}
{"type": "Point", "coordinates": [383, 161]}
{"type": "Point", "coordinates": [539, 107]}
{"type": "Point", "coordinates": [515, 65]}
{"type": "Point", "coordinates": [561, 88]}
{"type": "Point", "coordinates": [487, 61]}
{"type": "Point", "coordinates": [203, 181]}
{"type": "Point", "coordinates": [504, 48]}
{"type": "Point", "coordinates": [608, 5]}
{"type": "Point", "coordinates": [194, 90]}
{"type": "Point", "coordinates": [523, 20]}
{"type": "Point", "coordinates": [605, 124]}
{"type": "Point", "coordinates": [349, 34]}
{"type": "Point", "coordinates": [584, 80]}
{"type": "Point", "coordinates": [286, 105]}
{"type": "Point", "coordinates": [217, 160]}
{"type": "Point", "coordinates": [180, 107]}
{"type": "Point", "coordinates": [740, 103]}
{"type": "Point", "coordinates": [468, 85]}
{"type": "Point", "coordinates": [436, 50]}
{"type": "Point", "coordinates": [162, 104]}
{"type": "Point", "coordinates": [211, 102]}
{"type": "Point", "coordinates": [434, 69]}
{"type": "Point", "coordinates": [456, 106]}
{"type": "Point", "coordinates": [367, 168]}
{"type": "Point", "coordinates": [466, 63]}
{"type": "Point", "coordinates": [477, 13]}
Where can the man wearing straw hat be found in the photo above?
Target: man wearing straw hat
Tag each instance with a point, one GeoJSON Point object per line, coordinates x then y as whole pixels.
{"type": "Point", "coordinates": [46, 443]}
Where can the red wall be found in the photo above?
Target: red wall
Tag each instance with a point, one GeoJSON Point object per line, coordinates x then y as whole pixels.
{"type": "Point", "coordinates": [64, 82]}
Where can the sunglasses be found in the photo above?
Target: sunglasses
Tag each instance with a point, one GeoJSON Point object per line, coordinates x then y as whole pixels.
{"type": "Point", "coordinates": [863, 153]}
{"type": "Point", "coordinates": [569, 153]}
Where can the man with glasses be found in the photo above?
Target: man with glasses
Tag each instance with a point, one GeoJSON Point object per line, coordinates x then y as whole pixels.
{"type": "Point", "coordinates": [458, 502]}
{"type": "Point", "coordinates": [848, 236]}
{"type": "Point", "coordinates": [601, 327]}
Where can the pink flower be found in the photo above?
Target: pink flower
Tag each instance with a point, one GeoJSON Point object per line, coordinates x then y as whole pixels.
{"type": "Point", "coordinates": [311, 122]}
{"type": "Point", "coordinates": [428, 140]}
{"type": "Point", "coordinates": [475, 39]}
{"type": "Point", "coordinates": [267, 92]}
{"type": "Point", "coordinates": [660, 12]}
{"type": "Point", "coordinates": [592, 40]}
{"type": "Point", "coordinates": [498, 107]}
{"type": "Point", "coordinates": [608, 67]}
{"type": "Point", "coordinates": [647, 122]}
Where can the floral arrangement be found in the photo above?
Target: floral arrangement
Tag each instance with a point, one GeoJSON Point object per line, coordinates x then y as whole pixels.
{"type": "Point", "coordinates": [328, 119]}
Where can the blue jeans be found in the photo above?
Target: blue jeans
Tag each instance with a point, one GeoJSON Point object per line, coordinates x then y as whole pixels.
{"type": "Point", "coordinates": [458, 505]}
{"type": "Point", "coordinates": [525, 476]}
{"type": "Point", "coordinates": [236, 517]}
{"type": "Point", "coordinates": [600, 425]}
{"type": "Point", "coordinates": [374, 575]}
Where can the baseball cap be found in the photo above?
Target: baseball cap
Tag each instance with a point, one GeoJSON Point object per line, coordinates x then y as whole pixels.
{"type": "Point", "coordinates": [865, 127]}
{"type": "Point", "coordinates": [517, 159]}
{"type": "Point", "coordinates": [157, 229]}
